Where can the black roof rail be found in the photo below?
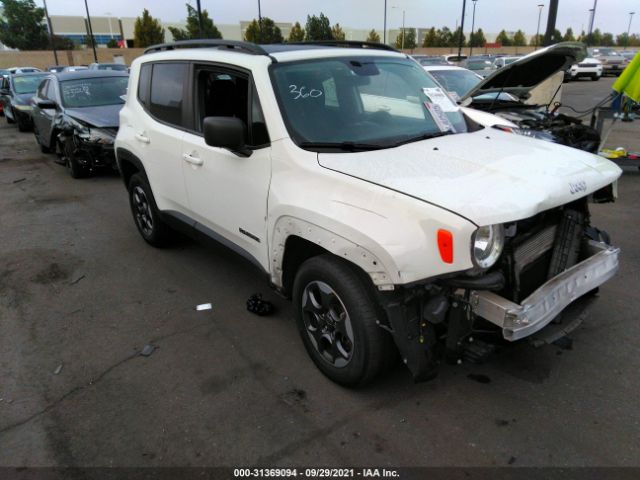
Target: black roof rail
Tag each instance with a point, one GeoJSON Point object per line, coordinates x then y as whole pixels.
{"type": "Point", "coordinates": [347, 44]}
{"type": "Point", "coordinates": [246, 47]}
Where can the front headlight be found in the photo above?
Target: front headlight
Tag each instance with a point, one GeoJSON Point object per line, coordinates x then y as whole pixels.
{"type": "Point", "coordinates": [97, 135]}
{"type": "Point", "coordinates": [23, 108]}
{"type": "Point", "coordinates": [488, 243]}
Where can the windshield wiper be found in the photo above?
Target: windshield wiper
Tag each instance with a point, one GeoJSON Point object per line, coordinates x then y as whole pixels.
{"type": "Point", "coordinates": [424, 136]}
{"type": "Point", "coordinates": [344, 146]}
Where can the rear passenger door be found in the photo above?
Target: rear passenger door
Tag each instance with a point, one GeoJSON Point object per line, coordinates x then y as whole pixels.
{"type": "Point", "coordinates": [155, 129]}
{"type": "Point", "coordinates": [227, 192]}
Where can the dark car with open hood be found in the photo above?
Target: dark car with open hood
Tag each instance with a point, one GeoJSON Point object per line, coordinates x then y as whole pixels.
{"type": "Point", "coordinates": [76, 116]}
{"type": "Point", "coordinates": [16, 91]}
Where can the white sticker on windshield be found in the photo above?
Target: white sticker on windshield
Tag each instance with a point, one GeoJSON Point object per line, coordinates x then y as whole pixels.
{"type": "Point", "coordinates": [71, 91]}
{"type": "Point", "coordinates": [441, 119]}
{"type": "Point", "coordinates": [437, 96]}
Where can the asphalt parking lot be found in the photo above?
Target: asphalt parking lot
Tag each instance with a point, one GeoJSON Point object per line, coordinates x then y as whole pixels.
{"type": "Point", "coordinates": [81, 294]}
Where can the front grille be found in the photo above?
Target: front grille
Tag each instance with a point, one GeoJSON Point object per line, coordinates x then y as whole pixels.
{"type": "Point", "coordinates": [542, 247]}
{"type": "Point", "coordinates": [588, 65]}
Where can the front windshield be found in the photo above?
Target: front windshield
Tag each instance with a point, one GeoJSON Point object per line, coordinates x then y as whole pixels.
{"type": "Point", "coordinates": [479, 65]}
{"type": "Point", "coordinates": [27, 84]}
{"type": "Point", "coordinates": [456, 81]}
{"type": "Point", "coordinates": [93, 92]}
{"type": "Point", "coordinates": [378, 101]}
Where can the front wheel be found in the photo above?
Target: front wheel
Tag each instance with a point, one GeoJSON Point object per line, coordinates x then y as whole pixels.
{"type": "Point", "coordinates": [339, 322]}
{"type": "Point", "coordinates": [595, 78]}
{"type": "Point", "coordinates": [75, 168]}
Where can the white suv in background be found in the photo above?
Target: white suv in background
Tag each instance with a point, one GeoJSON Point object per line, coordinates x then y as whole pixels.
{"type": "Point", "coordinates": [589, 67]}
{"type": "Point", "coordinates": [362, 192]}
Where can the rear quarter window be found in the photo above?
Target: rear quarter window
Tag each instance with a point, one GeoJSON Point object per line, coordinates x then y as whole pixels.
{"type": "Point", "coordinates": [144, 84]}
{"type": "Point", "coordinates": [167, 92]}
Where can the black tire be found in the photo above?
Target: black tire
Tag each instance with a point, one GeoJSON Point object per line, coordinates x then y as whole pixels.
{"type": "Point", "coordinates": [10, 120]}
{"type": "Point", "coordinates": [595, 78]}
{"type": "Point", "coordinates": [146, 214]}
{"type": "Point", "coordinates": [75, 169]}
{"type": "Point", "coordinates": [357, 360]}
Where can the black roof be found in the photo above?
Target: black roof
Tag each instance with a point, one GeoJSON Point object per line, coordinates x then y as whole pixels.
{"type": "Point", "coordinates": [81, 74]}
{"type": "Point", "coordinates": [254, 49]}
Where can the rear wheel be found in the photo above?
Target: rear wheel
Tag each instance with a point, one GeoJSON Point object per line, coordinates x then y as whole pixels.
{"type": "Point", "coordinates": [339, 322]}
{"type": "Point", "coordinates": [23, 126]}
{"type": "Point", "coordinates": [146, 214]}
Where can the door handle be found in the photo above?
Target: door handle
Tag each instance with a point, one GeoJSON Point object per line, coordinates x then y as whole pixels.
{"type": "Point", "coordinates": [142, 138]}
{"type": "Point", "coordinates": [192, 160]}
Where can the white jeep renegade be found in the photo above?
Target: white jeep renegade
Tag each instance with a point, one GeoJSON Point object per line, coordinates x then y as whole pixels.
{"type": "Point", "coordinates": [366, 195]}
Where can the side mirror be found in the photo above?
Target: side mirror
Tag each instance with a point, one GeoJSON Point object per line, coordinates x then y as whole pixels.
{"type": "Point", "coordinates": [226, 132]}
{"type": "Point", "coordinates": [45, 104]}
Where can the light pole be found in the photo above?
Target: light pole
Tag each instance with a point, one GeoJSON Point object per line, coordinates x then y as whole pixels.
{"type": "Point", "coordinates": [540, 7]}
{"type": "Point", "coordinates": [403, 32]}
{"type": "Point", "coordinates": [384, 33]}
{"type": "Point", "coordinates": [473, 24]}
{"type": "Point", "coordinates": [593, 17]}
{"type": "Point", "coordinates": [108, 14]}
{"type": "Point", "coordinates": [464, 6]}
{"type": "Point", "coordinates": [260, 21]}
{"type": "Point", "coordinates": [631, 14]}
{"type": "Point", "coordinates": [90, 32]}
{"type": "Point", "coordinates": [52, 40]}
{"type": "Point", "coordinates": [199, 18]}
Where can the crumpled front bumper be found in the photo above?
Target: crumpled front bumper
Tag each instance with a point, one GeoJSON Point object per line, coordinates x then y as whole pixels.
{"type": "Point", "coordinates": [543, 305]}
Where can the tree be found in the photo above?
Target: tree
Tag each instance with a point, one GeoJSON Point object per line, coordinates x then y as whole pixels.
{"type": "Point", "coordinates": [582, 37]}
{"type": "Point", "coordinates": [444, 37]}
{"type": "Point", "coordinates": [318, 28]}
{"type": "Point", "coordinates": [430, 38]}
{"type": "Point", "coordinates": [595, 38]}
{"type": "Point", "coordinates": [568, 35]}
{"type": "Point", "coordinates": [296, 34]}
{"type": "Point", "coordinates": [63, 43]}
{"type": "Point", "coordinates": [607, 40]}
{"type": "Point", "coordinates": [455, 38]}
{"type": "Point", "coordinates": [519, 40]}
{"type": "Point", "coordinates": [477, 39]}
{"type": "Point", "coordinates": [89, 41]}
{"type": "Point", "coordinates": [22, 26]}
{"type": "Point", "coordinates": [337, 33]}
{"type": "Point", "coordinates": [268, 32]}
{"type": "Point", "coordinates": [556, 37]}
{"type": "Point", "coordinates": [209, 30]}
{"type": "Point", "coordinates": [147, 31]}
{"type": "Point", "coordinates": [112, 43]}
{"type": "Point", "coordinates": [537, 40]}
{"type": "Point", "coordinates": [409, 41]}
{"type": "Point", "coordinates": [504, 39]}
{"type": "Point", "coordinates": [373, 37]}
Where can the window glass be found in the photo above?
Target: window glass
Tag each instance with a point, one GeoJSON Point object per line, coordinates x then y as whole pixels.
{"type": "Point", "coordinates": [50, 92]}
{"type": "Point", "coordinates": [143, 84]}
{"type": "Point", "coordinates": [378, 101]}
{"type": "Point", "coordinates": [167, 84]}
{"type": "Point", "coordinates": [27, 84]}
{"type": "Point", "coordinates": [93, 92]}
{"type": "Point", "coordinates": [42, 89]}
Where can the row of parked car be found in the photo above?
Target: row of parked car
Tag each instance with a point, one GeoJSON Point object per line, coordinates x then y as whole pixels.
{"type": "Point", "coordinates": [73, 113]}
{"type": "Point", "coordinates": [599, 62]}
{"type": "Point", "coordinates": [395, 215]}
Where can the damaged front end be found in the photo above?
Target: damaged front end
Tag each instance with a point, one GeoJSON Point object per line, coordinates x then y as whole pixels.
{"type": "Point", "coordinates": [548, 261]}
{"type": "Point", "coordinates": [91, 147]}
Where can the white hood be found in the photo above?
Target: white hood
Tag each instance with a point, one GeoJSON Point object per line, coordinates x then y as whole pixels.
{"type": "Point", "coordinates": [488, 176]}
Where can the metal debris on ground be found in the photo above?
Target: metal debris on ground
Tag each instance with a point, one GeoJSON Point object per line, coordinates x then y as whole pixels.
{"type": "Point", "coordinates": [147, 350]}
{"type": "Point", "coordinates": [19, 180]}
{"type": "Point", "coordinates": [204, 306]}
{"type": "Point", "coordinates": [257, 305]}
{"type": "Point", "coordinates": [58, 370]}
{"type": "Point", "coordinates": [77, 280]}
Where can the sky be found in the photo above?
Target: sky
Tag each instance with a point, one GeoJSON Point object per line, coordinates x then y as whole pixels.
{"type": "Point", "coordinates": [491, 15]}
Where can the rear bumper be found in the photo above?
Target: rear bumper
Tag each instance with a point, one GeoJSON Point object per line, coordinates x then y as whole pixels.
{"type": "Point", "coordinates": [543, 305]}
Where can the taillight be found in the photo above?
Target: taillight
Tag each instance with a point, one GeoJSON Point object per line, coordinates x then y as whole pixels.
{"type": "Point", "coordinates": [445, 245]}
